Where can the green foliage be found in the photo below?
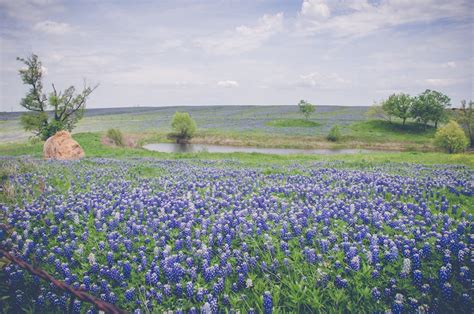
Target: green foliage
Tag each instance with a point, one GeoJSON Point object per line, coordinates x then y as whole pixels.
{"type": "Point", "coordinates": [67, 107]}
{"type": "Point", "coordinates": [292, 123]}
{"type": "Point", "coordinates": [306, 108]}
{"type": "Point", "coordinates": [376, 111]}
{"type": "Point", "coordinates": [334, 134]}
{"type": "Point", "coordinates": [451, 138]}
{"type": "Point", "coordinates": [430, 106]}
{"type": "Point", "coordinates": [465, 118]}
{"type": "Point", "coordinates": [398, 105]}
{"type": "Point", "coordinates": [116, 136]}
{"type": "Point", "coordinates": [34, 121]}
{"type": "Point", "coordinates": [183, 125]}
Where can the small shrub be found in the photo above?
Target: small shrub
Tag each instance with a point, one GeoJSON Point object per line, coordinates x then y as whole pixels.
{"type": "Point", "coordinates": [183, 125]}
{"type": "Point", "coordinates": [116, 136]}
{"type": "Point", "coordinates": [334, 134]}
{"type": "Point", "coordinates": [451, 138]}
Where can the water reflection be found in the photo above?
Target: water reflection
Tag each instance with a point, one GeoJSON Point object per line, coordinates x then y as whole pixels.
{"type": "Point", "coordinates": [195, 148]}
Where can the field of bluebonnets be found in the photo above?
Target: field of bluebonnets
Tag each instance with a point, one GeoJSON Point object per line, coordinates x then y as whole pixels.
{"type": "Point", "coordinates": [241, 119]}
{"type": "Point", "coordinates": [213, 236]}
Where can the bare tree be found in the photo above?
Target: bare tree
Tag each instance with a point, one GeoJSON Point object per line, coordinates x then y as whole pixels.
{"type": "Point", "coordinates": [67, 107]}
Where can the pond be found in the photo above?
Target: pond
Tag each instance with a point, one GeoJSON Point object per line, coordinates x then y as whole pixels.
{"type": "Point", "coordinates": [194, 148]}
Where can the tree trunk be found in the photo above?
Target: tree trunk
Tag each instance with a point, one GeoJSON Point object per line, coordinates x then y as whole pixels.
{"type": "Point", "coordinates": [436, 124]}
{"type": "Point", "coordinates": [404, 119]}
{"type": "Point", "coordinates": [471, 140]}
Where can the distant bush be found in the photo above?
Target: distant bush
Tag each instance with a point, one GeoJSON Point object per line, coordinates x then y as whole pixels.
{"type": "Point", "coordinates": [334, 134]}
{"type": "Point", "coordinates": [451, 138]}
{"type": "Point", "coordinates": [306, 108]}
{"type": "Point", "coordinates": [183, 125]}
{"type": "Point", "coordinates": [116, 136]}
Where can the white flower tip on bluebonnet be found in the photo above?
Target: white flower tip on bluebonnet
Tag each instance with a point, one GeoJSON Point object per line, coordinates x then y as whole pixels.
{"type": "Point", "coordinates": [249, 283]}
{"type": "Point", "coordinates": [399, 297]}
{"type": "Point", "coordinates": [406, 266]}
{"type": "Point", "coordinates": [206, 308]}
{"type": "Point", "coordinates": [91, 258]}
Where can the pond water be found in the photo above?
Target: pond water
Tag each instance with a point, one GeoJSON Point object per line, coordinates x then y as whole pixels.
{"type": "Point", "coordinates": [194, 148]}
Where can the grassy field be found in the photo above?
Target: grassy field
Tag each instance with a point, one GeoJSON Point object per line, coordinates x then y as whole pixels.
{"type": "Point", "coordinates": [261, 126]}
{"type": "Point", "coordinates": [93, 146]}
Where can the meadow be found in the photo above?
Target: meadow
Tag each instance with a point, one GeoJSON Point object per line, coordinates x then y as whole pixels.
{"type": "Point", "coordinates": [238, 232]}
{"type": "Point", "coordinates": [260, 126]}
{"type": "Point", "coordinates": [226, 235]}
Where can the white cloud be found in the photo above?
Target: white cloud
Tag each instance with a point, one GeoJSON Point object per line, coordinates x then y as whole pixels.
{"type": "Point", "coordinates": [365, 18]}
{"type": "Point", "coordinates": [243, 38]}
{"type": "Point", "coordinates": [441, 82]}
{"type": "Point", "coordinates": [315, 9]}
{"type": "Point", "coordinates": [321, 81]}
{"type": "Point", "coordinates": [228, 84]}
{"type": "Point", "coordinates": [29, 10]}
{"type": "Point", "coordinates": [450, 64]}
{"type": "Point", "coordinates": [52, 28]}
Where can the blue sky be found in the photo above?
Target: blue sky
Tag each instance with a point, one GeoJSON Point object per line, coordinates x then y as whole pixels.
{"type": "Point", "coordinates": [156, 53]}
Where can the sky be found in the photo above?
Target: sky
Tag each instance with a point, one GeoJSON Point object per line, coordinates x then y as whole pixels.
{"type": "Point", "coordinates": [239, 52]}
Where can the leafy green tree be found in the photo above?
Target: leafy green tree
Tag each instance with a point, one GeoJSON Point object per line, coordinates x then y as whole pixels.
{"type": "Point", "coordinates": [451, 137]}
{"type": "Point", "coordinates": [306, 108]}
{"type": "Point", "coordinates": [465, 117]}
{"type": "Point", "coordinates": [67, 107]}
{"type": "Point", "coordinates": [398, 105]}
{"type": "Point", "coordinates": [430, 106]}
{"type": "Point", "coordinates": [183, 125]}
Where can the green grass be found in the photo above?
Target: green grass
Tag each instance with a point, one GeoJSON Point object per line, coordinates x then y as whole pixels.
{"type": "Point", "coordinates": [292, 123]}
{"type": "Point", "coordinates": [384, 131]}
{"type": "Point", "coordinates": [91, 143]}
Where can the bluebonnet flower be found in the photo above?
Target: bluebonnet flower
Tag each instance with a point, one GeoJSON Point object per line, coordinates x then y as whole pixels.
{"type": "Point", "coordinates": [76, 307]}
{"type": "Point", "coordinates": [40, 301]}
{"type": "Point", "coordinates": [376, 295]}
{"type": "Point", "coordinates": [443, 274]}
{"type": "Point", "coordinates": [267, 303]}
{"type": "Point", "coordinates": [340, 282]}
{"type": "Point", "coordinates": [178, 290]}
{"type": "Point", "coordinates": [397, 306]}
{"type": "Point", "coordinates": [189, 289]}
{"type": "Point", "coordinates": [110, 258]}
{"type": "Point", "coordinates": [126, 269]}
{"type": "Point", "coordinates": [375, 274]}
{"type": "Point", "coordinates": [130, 294]}
{"type": "Point", "coordinates": [200, 295]}
{"type": "Point", "coordinates": [355, 263]}
{"type": "Point", "coordinates": [225, 300]}
{"type": "Point", "coordinates": [447, 290]}
{"type": "Point", "coordinates": [159, 297]}
{"type": "Point", "coordinates": [417, 278]}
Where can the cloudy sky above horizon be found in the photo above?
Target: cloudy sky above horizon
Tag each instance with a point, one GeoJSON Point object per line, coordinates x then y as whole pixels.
{"type": "Point", "coordinates": [230, 52]}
